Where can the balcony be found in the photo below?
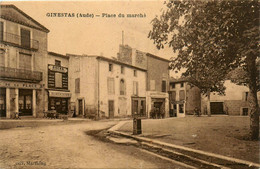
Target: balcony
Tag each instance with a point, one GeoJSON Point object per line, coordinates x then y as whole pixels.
{"type": "Point", "coordinates": [19, 41]}
{"type": "Point", "coordinates": [20, 74]}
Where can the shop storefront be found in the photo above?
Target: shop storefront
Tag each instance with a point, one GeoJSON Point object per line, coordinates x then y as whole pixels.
{"type": "Point", "coordinates": [59, 101]}
{"type": "Point", "coordinates": [22, 97]}
{"type": "Point", "coordinates": [157, 104]}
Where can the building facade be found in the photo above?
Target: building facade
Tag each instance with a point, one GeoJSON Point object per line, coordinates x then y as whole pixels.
{"type": "Point", "coordinates": [107, 87]}
{"type": "Point", "coordinates": [157, 98]}
{"type": "Point", "coordinates": [184, 97]}
{"type": "Point", "coordinates": [234, 102]}
{"type": "Point", "coordinates": [57, 88]}
{"type": "Point", "coordinates": [23, 52]}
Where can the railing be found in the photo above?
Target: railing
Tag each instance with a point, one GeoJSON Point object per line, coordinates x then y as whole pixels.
{"type": "Point", "coordinates": [17, 41]}
{"type": "Point", "coordinates": [20, 74]}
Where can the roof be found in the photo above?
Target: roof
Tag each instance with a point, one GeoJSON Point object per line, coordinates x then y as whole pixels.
{"type": "Point", "coordinates": [120, 63]}
{"type": "Point", "coordinates": [58, 55]}
{"type": "Point", "coordinates": [180, 80]}
{"type": "Point", "coordinates": [13, 17]}
{"type": "Point", "coordinates": [157, 57]}
{"type": "Point", "coordinates": [108, 60]}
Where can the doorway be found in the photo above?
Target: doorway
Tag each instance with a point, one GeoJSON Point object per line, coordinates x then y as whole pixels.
{"type": "Point", "coordinates": [2, 102]}
{"type": "Point", "coordinates": [216, 108]}
{"type": "Point", "coordinates": [111, 108]}
{"type": "Point", "coordinates": [80, 102]}
{"type": "Point", "coordinates": [25, 102]}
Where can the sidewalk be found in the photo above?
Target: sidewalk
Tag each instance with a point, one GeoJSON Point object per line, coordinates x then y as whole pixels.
{"type": "Point", "coordinates": [36, 122]}
{"type": "Point", "coordinates": [224, 135]}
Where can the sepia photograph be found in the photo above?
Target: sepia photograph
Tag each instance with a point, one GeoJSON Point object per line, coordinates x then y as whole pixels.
{"type": "Point", "coordinates": [129, 84]}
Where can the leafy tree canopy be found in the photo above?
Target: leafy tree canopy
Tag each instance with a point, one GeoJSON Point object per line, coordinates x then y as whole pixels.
{"type": "Point", "coordinates": [211, 37]}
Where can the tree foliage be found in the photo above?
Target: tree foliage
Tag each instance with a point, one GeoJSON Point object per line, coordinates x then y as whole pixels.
{"type": "Point", "coordinates": [212, 38]}
{"type": "Point", "coordinates": [209, 37]}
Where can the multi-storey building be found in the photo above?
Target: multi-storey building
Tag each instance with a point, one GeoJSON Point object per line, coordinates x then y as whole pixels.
{"type": "Point", "coordinates": [23, 52]}
{"type": "Point", "coordinates": [58, 83]}
{"type": "Point", "coordinates": [106, 87]}
{"type": "Point", "coordinates": [184, 97]}
{"type": "Point", "coordinates": [157, 76]}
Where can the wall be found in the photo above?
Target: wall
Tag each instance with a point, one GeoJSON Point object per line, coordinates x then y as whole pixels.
{"type": "Point", "coordinates": [193, 99]}
{"type": "Point", "coordinates": [39, 58]}
{"type": "Point", "coordinates": [233, 100]}
{"type": "Point", "coordinates": [122, 104]}
{"type": "Point", "coordinates": [157, 70]}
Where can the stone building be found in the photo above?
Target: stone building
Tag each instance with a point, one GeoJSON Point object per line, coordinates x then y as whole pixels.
{"type": "Point", "coordinates": [57, 86]}
{"type": "Point", "coordinates": [23, 52]}
{"type": "Point", "coordinates": [106, 87]}
{"type": "Point", "coordinates": [234, 102]}
{"type": "Point", "coordinates": [157, 87]}
{"type": "Point", "coordinates": [184, 97]}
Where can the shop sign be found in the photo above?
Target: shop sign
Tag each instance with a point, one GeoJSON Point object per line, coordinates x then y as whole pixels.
{"type": "Point", "coordinates": [159, 94]}
{"type": "Point", "coordinates": [59, 94]}
{"type": "Point", "coordinates": [57, 68]}
{"type": "Point", "coordinates": [20, 85]}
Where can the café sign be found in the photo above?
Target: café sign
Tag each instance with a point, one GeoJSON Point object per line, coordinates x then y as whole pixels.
{"type": "Point", "coordinates": [59, 94]}
{"type": "Point", "coordinates": [22, 85]}
{"type": "Point", "coordinates": [57, 68]}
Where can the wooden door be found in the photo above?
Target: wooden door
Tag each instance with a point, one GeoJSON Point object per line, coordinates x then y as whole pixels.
{"type": "Point", "coordinates": [80, 107]}
{"type": "Point", "coordinates": [111, 108]}
{"type": "Point", "coordinates": [216, 108]}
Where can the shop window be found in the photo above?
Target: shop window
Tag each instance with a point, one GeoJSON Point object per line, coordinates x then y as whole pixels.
{"type": "Point", "coordinates": [181, 108]}
{"type": "Point", "coordinates": [163, 86]}
{"type": "Point", "coordinates": [152, 84]}
{"type": "Point", "coordinates": [25, 38]}
{"type": "Point", "coordinates": [182, 95]}
{"type": "Point", "coordinates": [58, 80]}
{"type": "Point", "coordinates": [77, 85]}
{"type": "Point", "coordinates": [122, 87]}
{"type": "Point", "coordinates": [122, 70]}
{"type": "Point", "coordinates": [135, 88]}
{"type": "Point", "coordinates": [57, 63]}
{"type": "Point", "coordinates": [25, 61]}
{"type": "Point", "coordinates": [135, 73]}
{"type": "Point", "coordinates": [111, 85]}
{"type": "Point", "coordinates": [110, 67]}
{"type": "Point", "coordinates": [2, 57]}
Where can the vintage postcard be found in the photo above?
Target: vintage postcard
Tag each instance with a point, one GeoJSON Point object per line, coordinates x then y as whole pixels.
{"type": "Point", "coordinates": [129, 84]}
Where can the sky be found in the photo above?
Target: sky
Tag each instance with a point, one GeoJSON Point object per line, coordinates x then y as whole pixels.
{"type": "Point", "coordinates": [98, 35]}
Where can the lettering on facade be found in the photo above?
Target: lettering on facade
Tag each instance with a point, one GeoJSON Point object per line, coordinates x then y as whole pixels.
{"type": "Point", "coordinates": [21, 85]}
{"type": "Point", "coordinates": [59, 94]}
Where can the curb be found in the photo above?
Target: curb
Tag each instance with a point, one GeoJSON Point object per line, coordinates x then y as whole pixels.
{"type": "Point", "coordinates": [163, 144]}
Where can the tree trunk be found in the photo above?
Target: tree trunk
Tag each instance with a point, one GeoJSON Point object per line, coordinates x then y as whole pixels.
{"type": "Point", "coordinates": [208, 103]}
{"type": "Point", "coordinates": [253, 102]}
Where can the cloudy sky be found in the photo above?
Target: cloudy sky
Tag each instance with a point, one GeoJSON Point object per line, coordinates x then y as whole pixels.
{"type": "Point", "coordinates": [98, 35]}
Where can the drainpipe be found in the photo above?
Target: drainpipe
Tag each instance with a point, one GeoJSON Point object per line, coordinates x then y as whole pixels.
{"type": "Point", "coordinates": [98, 91]}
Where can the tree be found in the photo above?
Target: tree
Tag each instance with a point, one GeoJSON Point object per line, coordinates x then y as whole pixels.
{"type": "Point", "coordinates": [212, 38]}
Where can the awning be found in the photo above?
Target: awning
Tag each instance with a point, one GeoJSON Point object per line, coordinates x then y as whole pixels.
{"type": "Point", "coordinates": [59, 94]}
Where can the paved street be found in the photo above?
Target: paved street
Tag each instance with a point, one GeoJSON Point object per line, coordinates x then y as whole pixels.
{"type": "Point", "coordinates": [68, 146]}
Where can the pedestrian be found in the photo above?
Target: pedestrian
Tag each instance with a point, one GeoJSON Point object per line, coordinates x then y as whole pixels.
{"type": "Point", "coordinates": [197, 111]}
